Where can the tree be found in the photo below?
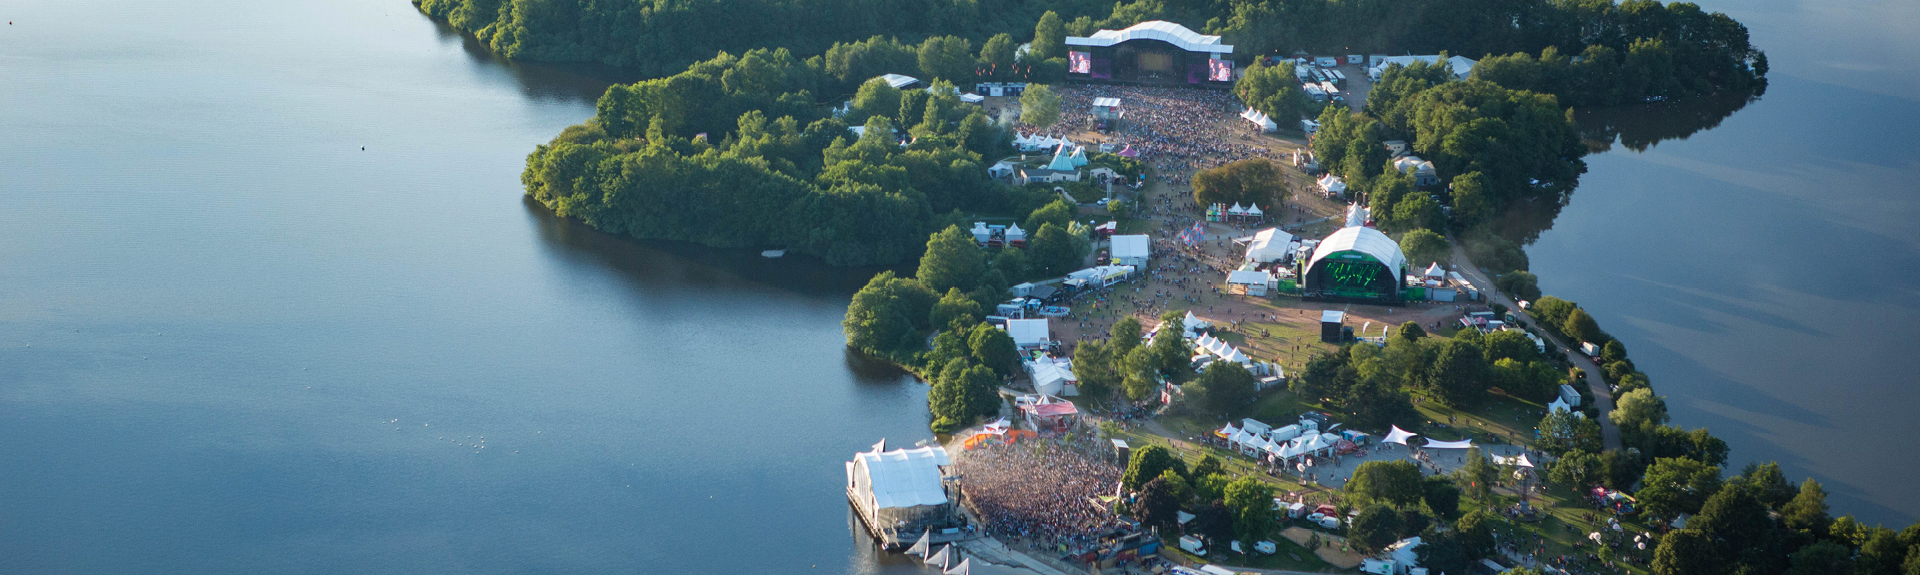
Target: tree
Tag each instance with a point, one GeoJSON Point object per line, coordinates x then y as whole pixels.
{"type": "Point", "coordinates": [1158, 506]}
{"type": "Point", "coordinates": [997, 54]}
{"type": "Point", "coordinates": [1210, 486]}
{"type": "Point", "coordinates": [1475, 532]}
{"type": "Point", "coordinates": [1148, 462]}
{"type": "Point", "coordinates": [1139, 381]}
{"type": "Point", "coordinates": [1470, 202]}
{"type": "Point", "coordinates": [1822, 558]}
{"type": "Point", "coordinates": [1459, 373]}
{"type": "Point", "coordinates": [1253, 181]}
{"type": "Point", "coordinates": [1409, 331]}
{"type": "Point", "coordinates": [1393, 482]}
{"type": "Point", "coordinates": [1769, 484]}
{"type": "Point", "coordinates": [1736, 521]}
{"type": "Point", "coordinates": [1039, 106]}
{"type": "Point", "coordinates": [1577, 469]}
{"type": "Point", "coordinates": [1423, 247]}
{"type": "Point", "coordinates": [1225, 388]}
{"type": "Point", "coordinates": [1417, 211]}
{"type": "Point", "coordinates": [1675, 485]}
{"type": "Point", "coordinates": [1124, 335]}
{"type": "Point", "coordinates": [1093, 363]}
{"type": "Point", "coordinates": [1274, 91]}
{"type": "Point", "coordinates": [1638, 408]}
{"type": "Point", "coordinates": [953, 260]}
{"type": "Point", "coordinates": [994, 349]}
{"type": "Point", "coordinates": [1808, 510]}
{"type": "Point", "coordinates": [1377, 527]}
{"type": "Point", "coordinates": [1520, 284]}
{"type": "Point", "coordinates": [1049, 38]}
{"type": "Point", "coordinates": [1882, 554]}
{"type": "Point", "coordinates": [1251, 502]}
{"type": "Point", "coordinates": [955, 311]}
{"type": "Point", "coordinates": [1685, 552]}
{"type": "Point", "coordinates": [1172, 355]}
{"type": "Point", "coordinates": [875, 98]}
{"type": "Point", "coordinates": [946, 57]}
{"type": "Point", "coordinates": [1477, 476]}
{"type": "Point", "coordinates": [888, 316]}
{"type": "Point", "coordinates": [1057, 212]}
{"type": "Point", "coordinates": [1581, 327]}
{"type": "Point", "coordinates": [1442, 497]}
{"type": "Point", "coordinates": [1562, 431]}
{"type": "Point", "coordinates": [1052, 252]}
{"type": "Point", "coordinates": [1212, 520]}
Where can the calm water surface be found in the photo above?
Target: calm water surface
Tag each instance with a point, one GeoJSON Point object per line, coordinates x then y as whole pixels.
{"type": "Point", "coordinates": [232, 341]}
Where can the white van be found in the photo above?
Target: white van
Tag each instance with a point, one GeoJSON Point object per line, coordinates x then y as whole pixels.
{"type": "Point", "coordinates": [1193, 545]}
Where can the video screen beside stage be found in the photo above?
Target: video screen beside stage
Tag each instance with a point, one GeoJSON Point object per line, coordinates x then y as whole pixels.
{"type": "Point", "coordinates": [1079, 62]}
{"type": "Point", "coordinates": [1220, 70]}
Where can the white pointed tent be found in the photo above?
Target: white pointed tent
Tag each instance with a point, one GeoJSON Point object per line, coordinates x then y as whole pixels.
{"type": "Point", "coordinates": [1236, 210]}
{"type": "Point", "coordinates": [1435, 272]}
{"type": "Point", "coordinates": [1357, 215]}
{"type": "Point", "coordinates": [1269, 245]}
{"type": "Point", "coordinates": [1397, 435]}
{"type": "Point", "coordinates": [1332, 184]}
{"type": "Point", "coordinates": [1229, 430]}
{"type": "Point", "coordinates": [1265, 123]}
{"type": "Point", "coordinates": [1254, 211]}
{"type": "Point", "coordinates": [1193, 325]}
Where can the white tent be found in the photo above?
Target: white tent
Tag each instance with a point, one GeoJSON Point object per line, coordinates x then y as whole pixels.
{"type": "Point", "coordinates": [1260, 119]}
{"type": "Point", "coordinates": [1053, 377]}
{"type": "Point", "coordinates": [900, 478]}
{"type": "Point", "coordinates": [923, 545]}
{"type": "Point", "coordinates": [1229, 430]}
{"type": "Point", "coordinates": [1028, 333]}
{"type": "Point", "coordinates": [1254, 211]}
{"type": "Point", "coordinates": [1131, 250]}
{"type": "Point", "coordinates": [1194, 324]}
{"type": "Point", "coordinates": [1397, 435]}
{"type": "Point", "coordinates": [939, 557]}
{"type": "Point", "coordinates": [1236, 210]}
{"type": "Point", "coordinates": [1435, 271]}
{"type": "Point", "coordinates": [899, 81]}
{"type": "Point", "coordinates": [1164, 31]}
{"type": "Point", "coordinates": [1249, 282]}
{"type": "Point", "coordinates": [1364, 240]}
{"type": "Point", "coordinates": [1332, 184]}
{"type": "Point", "coordinates": [1516, 461]}
{"type": "Point", "coordinates": [1269, 245]}
{"type": "Point", "coordinates": [1559, 405]}
{"type": "Point", "coordinates": [1357, 216]}
{"type": "Point", "coordinates": [1461, 444]}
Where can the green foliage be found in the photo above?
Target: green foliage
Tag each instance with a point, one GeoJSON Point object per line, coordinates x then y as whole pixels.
{"type": "Point", "coordinates": [994, 349]}
{"type": "Point", "coordinates": [1744, 536]}
{"type": "Point", "coordinates": [1049, 37]}
{"type": "Point", "coordinates": [955, 311]}
{"type": "Point", "coordinates": [1499, 255]}
{"type": "Point", "coordinates": [1158, 506]}
{"type": "Point", "coordinates": [1807, 511]}
{"type": "Point", "coordinates": [1039, 105]}
{"type": "Point", "coordinates": [1675, 485]}
{"type": "Point", "coordinates": [1251, 502]}
{"type": "Point", "coordinates": [1685, 552]}
{"type": "Point", "coordinates": [1577, 469]}
{"type": "Point", "coordinates": [961, 393]}
{"type": "Point", "coordinates": [1409, 331]}
{"type": "Point", "coordinates": [1822, 558]}
{"type": "Point", "coordinates": [1172, 355]}
{"type": "Point", "coordinates": [947, 58]}
{"type": "Point", "coordinates": [1459, 374]}
{"type": "Point", "coordinates": [1057, 212]}
{"type": "Point", "coordinates": [1520, 284]}
{"type": "Point", "coordinates": [1441, 496]}
{"type": "Point", "coordinates": [1551, 311]}
{"type": "Point", "coordinates": [1124, 335]}
{"type": "Point", "coordinates": [1423, 247]}
{"type": "Point", "coordinates": [1093, 363]}
{"type": "Point", "coordinates": [1210, 486]}
{"type": "Point", "coordinates": [1149, 462]}
{"type": "Point", "coordinates": [1377, 527]}
{"type": "Point", "coordinates": [1581, 327]}
{"type": "Point", "coordinates": [1274, 91]}
{"type": "Point", "coordinates": [1396, 483]}
{"type": "Point", "coordinates": [875, 98]}
{"type": "Point", "coordinates": [1052, 252]}
{"type": "Point", "coordinates": [1249, 182]}
{"type": "Point", "coordinates": [1224, 388]}
{"type": "Point", "coordinates": [1477, 476]}
{"type": "Point", "coordinates": [952, 261]}
{"type": "Point", "coordinates": [888, 316]}
{"type": "Point", "coordinates": [1562, 431]}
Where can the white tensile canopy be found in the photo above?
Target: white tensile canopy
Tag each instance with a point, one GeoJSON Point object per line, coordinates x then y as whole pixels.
{"type": "Point", "coordinates": [939, 557]}
{"type": "Point", "coordinates": [922, 546]}
{"type": "Point", "coordinates": [1269, 245]}
{"type": "Point", "coordinates": [1265, 123]}
{"type": "Point", "coordinates": [1516, 461]}
{"type": "Point", "coordinates": [902, 477]}
{"type": "Point", "coordinates": [1332, 184]}
{"type": "Point", "coordinates": [1461, 444]}
{"type": "Point", "coordinates": [1397, 435]}
{"type": "Point", "coordinates": [1164, 31]}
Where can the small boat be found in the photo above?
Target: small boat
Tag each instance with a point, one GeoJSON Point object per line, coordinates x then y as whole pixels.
{"type": "Point", "coordinates": [773, 253]}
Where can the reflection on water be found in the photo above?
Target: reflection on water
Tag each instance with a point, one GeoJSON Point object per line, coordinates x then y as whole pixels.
{"type": "Point", "coordinates": [1638, 128]}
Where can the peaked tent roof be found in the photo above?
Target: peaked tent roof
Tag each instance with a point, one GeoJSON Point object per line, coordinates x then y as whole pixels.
{"type": "Point", "coordinates": [1131, 246]}
{"type": "Point", "coordinates": [1435, 271]}
{"type": "Point", "coordinates": [1397, 435]}
{"type": "Point", "coordinates": [1161, 30]}
{"type": "Point", "coordinates": [1365, 240]}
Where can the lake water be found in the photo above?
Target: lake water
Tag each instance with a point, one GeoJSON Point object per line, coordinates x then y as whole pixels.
{"type": "Point", "coordinates": [232, 341]}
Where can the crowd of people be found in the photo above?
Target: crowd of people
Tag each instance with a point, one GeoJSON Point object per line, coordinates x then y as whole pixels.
{"type": "Point", "coordinates": [1042, 492]}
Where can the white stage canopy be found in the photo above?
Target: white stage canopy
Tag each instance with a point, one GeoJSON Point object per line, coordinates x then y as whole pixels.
{"type": "Point", "coordinates": [1397, 435]}
{"type": "Point", "coordinates": [902, 477]}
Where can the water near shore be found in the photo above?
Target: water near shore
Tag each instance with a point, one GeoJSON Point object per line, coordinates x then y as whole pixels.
{"type": "Point", "coordinates": [232, 341]}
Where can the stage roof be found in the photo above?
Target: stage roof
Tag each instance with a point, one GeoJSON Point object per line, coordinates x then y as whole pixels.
{"type": "Point", "coordinates": [1364, 240]}
{"type": "Point", "coordinates": [903, 477]}
{"type": "Point", "coordinates": [1161, 30]}
{"type": "Point", "coordinates": [1106, 102]}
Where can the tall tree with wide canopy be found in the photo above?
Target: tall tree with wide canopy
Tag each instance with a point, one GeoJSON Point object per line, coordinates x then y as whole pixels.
{"type": "Point", "coordinates": [953, 260]}
{"type": "Point", "coordinates": [1253, 181]}
{"type": "Point", "coordinates": [1396, 482]}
